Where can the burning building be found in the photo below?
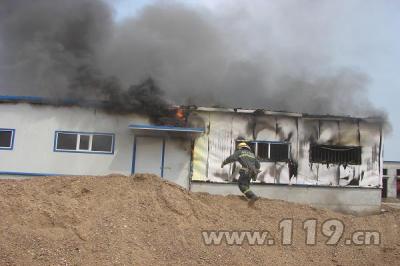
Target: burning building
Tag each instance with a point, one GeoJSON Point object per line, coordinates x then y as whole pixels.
{"type": "Point", "coordinates": [322, 160]}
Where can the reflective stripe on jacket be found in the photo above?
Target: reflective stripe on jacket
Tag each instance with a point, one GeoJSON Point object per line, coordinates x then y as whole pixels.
{"type": "Point", "coordinates": [246, 158]}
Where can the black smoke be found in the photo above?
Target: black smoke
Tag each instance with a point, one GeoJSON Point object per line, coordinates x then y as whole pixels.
{"type": "Point", "coordinates": [223, 57]}
{"type": "Point", "coordinates": [52, 48]}
{"type": "Point", "coordinates": [145, 97]}
{"type": "Point", "coordinates": [44, 42]}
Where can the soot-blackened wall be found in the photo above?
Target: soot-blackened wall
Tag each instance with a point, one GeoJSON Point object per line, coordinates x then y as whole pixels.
{"type": "Point", "coordinates": [300, 132]}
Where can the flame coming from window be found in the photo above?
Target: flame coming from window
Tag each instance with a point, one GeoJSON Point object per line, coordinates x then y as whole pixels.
{"type": "Point", "coordinates": [180, 114]}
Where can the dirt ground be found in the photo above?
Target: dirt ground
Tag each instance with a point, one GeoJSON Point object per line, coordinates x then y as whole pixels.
{"type": "Point", "coordinates": [142, 220]}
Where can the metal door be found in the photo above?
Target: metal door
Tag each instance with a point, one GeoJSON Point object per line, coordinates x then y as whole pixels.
{"type": "Point", "coordinates": [177, 153]}
{"type": "Point", "coordinates": [147, 155]}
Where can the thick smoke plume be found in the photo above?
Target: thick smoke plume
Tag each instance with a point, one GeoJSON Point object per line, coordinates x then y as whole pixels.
{"type": "Point", "coordinates": [234, 56]}
{"type": "Point", "coordinates": [144, 98]}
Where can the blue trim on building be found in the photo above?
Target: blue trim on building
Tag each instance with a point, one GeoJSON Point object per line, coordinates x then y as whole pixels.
{"type": "Point", "coordinates": [84, 133]}
{"type": "Point", "coordinates": [266, 141]}
{"type": "Point", "coordinates": [167, 128]}
{"type": "Point", "coordinates": [12, 139]}
{"type": "Point", "coordinates": [49, 101]}
{"type": "Point", "coordinates": [133, 156]}
{"type": "Point", "coordinates": [162, 157]}
{"type": "Point", "coordinates": [28, 174]}
{"type": "Point", "coordinates": [12, 98]}
{"type": "Point", "coordinates": [86, 152]}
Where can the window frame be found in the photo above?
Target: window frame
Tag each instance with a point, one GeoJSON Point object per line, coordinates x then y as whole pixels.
{"type": "Point", "coordinates": [256, 142]}
{"type": "Point", "coordinates": [384, 171]}
{"type": "Point", "coordinates": [11, 147]}
{"type": "Point", "coordinates": [78, 142]}
{"type": "Point", "coordinates": [77, 148]}
{"type": "Point", "coordinates": [358, 148]}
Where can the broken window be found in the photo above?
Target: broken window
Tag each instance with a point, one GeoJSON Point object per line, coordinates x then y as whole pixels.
{"type": "Point", "coordinates": [269, 151]}
{"type": "Point", "coordinates": [6, 139]}
{"type": "Point", "coordinates": [84, 142]}
{"type": "Point", "coordinates": [263, 151]}
{"type": "Point", "coordinates": [279, 152]}
{"type": "Point", "coordinates": [331, 154]}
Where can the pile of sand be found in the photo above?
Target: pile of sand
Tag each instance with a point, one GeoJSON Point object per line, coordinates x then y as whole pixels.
{"type": "Point", "coordinates": [142, 220]}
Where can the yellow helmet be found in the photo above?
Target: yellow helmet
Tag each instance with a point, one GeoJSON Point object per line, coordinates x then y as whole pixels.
{"type": "Point", "coordinates": [242, 145]}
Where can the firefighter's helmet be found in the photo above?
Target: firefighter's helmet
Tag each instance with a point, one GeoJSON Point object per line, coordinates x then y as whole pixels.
{"type": "Point", "coordinates": [243, 145]}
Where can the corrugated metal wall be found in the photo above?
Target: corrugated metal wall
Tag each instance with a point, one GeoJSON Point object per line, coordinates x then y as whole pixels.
{"type": "Point", "coordinates": [223, 128]}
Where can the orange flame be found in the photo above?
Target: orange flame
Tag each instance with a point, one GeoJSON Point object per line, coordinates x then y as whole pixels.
{"type": "Point", "coordinates": [179, 114]}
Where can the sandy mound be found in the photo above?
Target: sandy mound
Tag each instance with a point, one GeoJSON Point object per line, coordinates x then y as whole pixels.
{"type": "Point", "coordinates": [143, 220]}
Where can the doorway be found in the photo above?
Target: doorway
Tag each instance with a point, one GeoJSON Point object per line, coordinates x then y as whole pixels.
{"type": "Point", "coordinates": [384, 187]}
{"type": "Point", "coordinates": [167, 157]}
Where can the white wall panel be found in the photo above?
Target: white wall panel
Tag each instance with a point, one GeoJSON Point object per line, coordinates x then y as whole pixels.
{"type": "Point", "coordinates": [34, 140]}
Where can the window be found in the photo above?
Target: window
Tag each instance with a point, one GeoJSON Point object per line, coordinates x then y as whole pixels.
{"type": "Point", "coordinates": [398, 172]}
{"type": "Point", "coordinates": [269, 151]}
{"type": "Point", "coordinates": [330, 154]}
{"type": "Point", "coordinates": [84, 142]}
{"type": "Point", "coordinates": [101, 143]}
{"type": "Point", "coordinates": [6, 138]}
{"type": "Point", "coordinates": [279, 152]}
{"type": "Point", "coordinates": [66, 141]}
{"type": "Point", "coordinates": [398, 188]}
{"type": "Point", "coordinates": [384, 171]}
{"type": "Point", "coordinates": [262, 151]}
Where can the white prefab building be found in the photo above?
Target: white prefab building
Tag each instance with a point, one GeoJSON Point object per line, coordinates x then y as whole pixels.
{"type": "Point", "coordinates": [391, 179]}
{"type": "Point", "coordinates": [326, 161]}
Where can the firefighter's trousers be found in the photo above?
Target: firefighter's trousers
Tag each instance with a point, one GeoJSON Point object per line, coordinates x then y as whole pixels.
{"type": "Point", "coordinates": [244, 184]}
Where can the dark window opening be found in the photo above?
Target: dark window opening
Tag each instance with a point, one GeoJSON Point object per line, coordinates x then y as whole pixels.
{"type": "Point", "coordinates": [102, 143]}
{"type": "Point", "coordinates": [84, 142]}
{"type": "Point", "coordinates": [66, 141]}
{"type": "Point", "coordinates": [384, 171]}
{"type": "Point", "coordinates": [330, 154]}
{"type": "Point", "coordinates": [279, 152]}
{"type": "Point", "coordinates": [398, 188]}
{"type": "Point", "coordinates": [6, 138]}
{"type": "Point", "coordinates": [262, 153]}
{"type": "Point", "coordinates": [398, 172]}
{"type": "Point", "coordinates": [384, 188]}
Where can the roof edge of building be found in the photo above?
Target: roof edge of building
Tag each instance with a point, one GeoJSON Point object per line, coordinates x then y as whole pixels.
{"type": "Point", "coordinates": [100, 104]}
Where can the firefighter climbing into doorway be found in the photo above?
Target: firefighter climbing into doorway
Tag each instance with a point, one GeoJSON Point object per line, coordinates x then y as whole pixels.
{"type": "Point", "coordinates": [249, 171]}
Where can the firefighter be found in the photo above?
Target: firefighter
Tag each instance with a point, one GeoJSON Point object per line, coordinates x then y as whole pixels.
{"type": "Point", "coordinates": [249, 171]}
